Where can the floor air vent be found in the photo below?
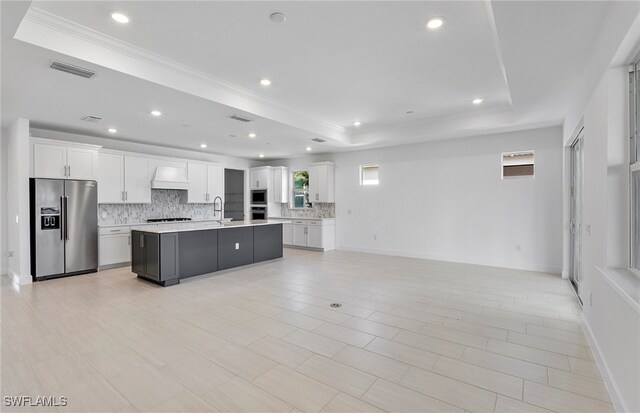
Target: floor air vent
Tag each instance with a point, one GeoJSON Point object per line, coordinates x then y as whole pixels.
{"type": "Point", "coordinates": [74, 70]}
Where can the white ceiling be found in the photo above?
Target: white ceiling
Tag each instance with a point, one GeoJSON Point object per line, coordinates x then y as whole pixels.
{"type": "Point", "coordinates": [331, 63]}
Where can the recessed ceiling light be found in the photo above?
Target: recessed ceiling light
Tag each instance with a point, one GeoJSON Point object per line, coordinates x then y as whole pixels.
{"type": "Point", "coordinates": [112, 130]}
{"type": "Point", "coordinates": [308, 148]}
{"type": "Point", "coordinates": [278, 17]}
{"type": "Point", "coordinates": [120, 18]}
{"type": "Point", "coordinates": [156, 113]}
{"type": "Point", "coordinates": [434, 23]}
{"type": "Point", "coordinates": [203, 145]}
{"type": "Point", "coordinates": [477, 101]}
{"type": "Point", "coordinates": [410, 112]}
{"type": "Point", "coordinates": [265, 82]}
{"type": "Point", "coordinates": [252, 135]}
{"type": "Point", "coordinates": [232, 136]}
{"type": "Point", "coordinates": [357, 123]}
{"type": "Point", "coordinates": [261, 155]}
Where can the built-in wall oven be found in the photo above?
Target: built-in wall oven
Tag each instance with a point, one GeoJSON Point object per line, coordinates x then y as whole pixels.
{"type": "Point", "coordinates": [259, 197]}
{"type": "Point", "coordinates": [258, 212]}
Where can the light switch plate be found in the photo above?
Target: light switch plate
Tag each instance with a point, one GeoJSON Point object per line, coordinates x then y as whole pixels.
{"type": "Point", "coordinates": [237, 245]}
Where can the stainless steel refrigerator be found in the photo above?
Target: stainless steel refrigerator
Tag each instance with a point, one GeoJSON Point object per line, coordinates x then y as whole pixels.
{"type": "Point", "coordinates": [64, 227]}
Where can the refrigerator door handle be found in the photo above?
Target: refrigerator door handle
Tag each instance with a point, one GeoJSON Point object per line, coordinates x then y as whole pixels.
{"type": "Point", "coordinates": [66, 218]}
{"type": "Point", "coordinates": [62, 217]}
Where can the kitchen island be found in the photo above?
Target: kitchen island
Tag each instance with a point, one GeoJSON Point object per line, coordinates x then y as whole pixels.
{"type": "Point", "coordinates": [166, 253]}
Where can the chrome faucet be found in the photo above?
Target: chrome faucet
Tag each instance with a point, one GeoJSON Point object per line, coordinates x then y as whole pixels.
{"type": "Point", "coordinates": [216, 210]}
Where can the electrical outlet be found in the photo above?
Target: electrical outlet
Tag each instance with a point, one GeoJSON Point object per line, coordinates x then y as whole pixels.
{"type": "Point", "coordinates": [590, 299]}
{"type": "Point", "coordinates": [237, 245]}
{"type": "Point", "coordinates": [375, 237]}
{"type": "Point", "coordinates": [348, 212]}
{"type": "Point", "coordinates": [518, 247]}
{"type": "Point", "coordinates": [17, 219]}
{"type": "Point", "coordinates": [10, 254]}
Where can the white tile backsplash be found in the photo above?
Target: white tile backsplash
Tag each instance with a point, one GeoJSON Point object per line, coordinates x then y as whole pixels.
{"type": "Point", "coordinates": [165, 203]}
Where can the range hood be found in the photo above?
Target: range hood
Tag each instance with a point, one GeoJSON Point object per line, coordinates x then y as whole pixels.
{"type": "Point", "coordinates": [169, 177]}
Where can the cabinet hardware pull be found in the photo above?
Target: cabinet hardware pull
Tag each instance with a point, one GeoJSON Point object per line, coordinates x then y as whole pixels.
{"type": "Point", "coordinates": [126, 195]}
{"type": "Point", "coordinates": [129, 240]}
{"type": "Point", "coordinates": [69, 166]}
{"type": "Point", "coordinates": [141, 241]}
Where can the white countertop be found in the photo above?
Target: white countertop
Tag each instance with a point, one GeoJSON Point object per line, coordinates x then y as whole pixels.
{"type": "Point", "coordinates": [140, 224]}
{"type": "Point", "coordinates": [199, 226]}
{"type": "Point", "coordinates": [305, 218]}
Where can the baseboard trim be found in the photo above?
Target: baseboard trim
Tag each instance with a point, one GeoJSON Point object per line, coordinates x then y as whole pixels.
{"type": "Point", "coordinates": [515, 266]}
{"type": "Point", "coordinates": [19, 279]}
{"type": "Point", "coordinates": [618, 402]}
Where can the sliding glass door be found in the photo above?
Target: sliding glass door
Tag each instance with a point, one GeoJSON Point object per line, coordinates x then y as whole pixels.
{"type": "Point", "coordinates": [577, 162]}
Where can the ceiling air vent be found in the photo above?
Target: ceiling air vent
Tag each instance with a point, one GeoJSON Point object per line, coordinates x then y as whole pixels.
{"type": "Point", "coordinates": [92, 118]}
{"type": "Point", "coordinates": [318, 140]}
{"type": "Point", "coordinates": [241, 119]}
{"type": "Point", "coordinates": [74, 70]}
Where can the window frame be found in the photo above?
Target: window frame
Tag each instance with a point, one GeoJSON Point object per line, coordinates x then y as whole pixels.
{"type": "Point", "coordinates": [504, 154]}
{"type": "Point", "coordinates": [634, 160]}
{"type": "Point", "coordinates": [303, 191]}
{"type": "Point", "coordinates": [369, 165]}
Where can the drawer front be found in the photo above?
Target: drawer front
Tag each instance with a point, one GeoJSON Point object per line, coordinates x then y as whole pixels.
{"type": "Point", "coordinates": [114, 230]}
{"type": "Point", "coordinates": [314, 222]}
{"type": "Point", "coordinates": [299, 222]}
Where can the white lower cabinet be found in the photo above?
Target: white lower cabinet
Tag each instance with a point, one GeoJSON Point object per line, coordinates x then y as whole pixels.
{"type": "Point", "coordinates": [114, 246]}
{"type": "Point", "coordinates": [287, 234]}
{"type": "Point", "coordinates": [310, 233]}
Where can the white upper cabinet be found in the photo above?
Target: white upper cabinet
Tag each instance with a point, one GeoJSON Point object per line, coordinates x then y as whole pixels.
{"type": "Point", "coordinates": [259, 178]}
{"type": "Point", "coordinates": [82, 163]}
{"type": "Point", "coordinates": [123, 179]}
{"type": "Point", "coordinates": [197, 175]}
{"type": "Point", "coordinates": [215, 182]}
{"type": "Point", "coordinates": [49, 161]}
{"type": "Point", "coordinates": [322, 182]}
{"type": "Point", "coordinates": [206, 182]}
{"type": "Point", "coordinates": [110, 178]}
{"type": "Point", "coordinates": [280, 184]}
{"type": "Point", "coordinates": [64, 161]}
{"type": "Point", "coordinates": [137, 180]}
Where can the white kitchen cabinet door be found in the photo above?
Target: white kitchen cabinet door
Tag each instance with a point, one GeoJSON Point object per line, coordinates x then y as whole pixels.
{"type": "Point", "coordinates": [259, 178]}
{"type": "Point", "coordinates": [82, 163]}
{"type": "Point", "coordinates": [300, 235]}
{"type": "Point", "coordinates": [137, 180]}
{"type": "Point", "coordinates": [215, 182]}
{"type": "Point", "coordinates": [314, 236]}
{"type": "Point", "coordinates": [110, 179]}
{"type": "Point", "coordinates": [114, 249]}
{"type": "Point", "coordinates": [287, 234]}
{"type": "Point", "coordinates": [49, 161]}
{"type": "Point", "coordinates": [322, 183]}
{"type": "Point", "coordinates": [281, 185]}
{"type": "Point", "coordinates": [197, 192]}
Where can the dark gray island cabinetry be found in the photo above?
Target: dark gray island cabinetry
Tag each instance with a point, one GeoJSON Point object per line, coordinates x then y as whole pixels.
{"type": "Point", "coordinates": [167, 253]}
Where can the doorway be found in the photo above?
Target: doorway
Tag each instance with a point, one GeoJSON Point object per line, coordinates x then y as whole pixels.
{"type": "Point", "coordinates": [234, 194]}
{"type": "Point", "coordinates": [577, 168]}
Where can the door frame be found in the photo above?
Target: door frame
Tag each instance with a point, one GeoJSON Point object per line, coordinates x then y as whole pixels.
{"type": "Point", "coordinates": [576, 205]}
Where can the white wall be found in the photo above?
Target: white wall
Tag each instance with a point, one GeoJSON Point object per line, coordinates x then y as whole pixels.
{"type": "Point", "coordinates": [17, 138]}
{"type": "Point", "coordinates": [611, 311]}
{"type": "Point", "coordinates": [446, 200]}
{"type": "Point", "coordinates": [3, 202]}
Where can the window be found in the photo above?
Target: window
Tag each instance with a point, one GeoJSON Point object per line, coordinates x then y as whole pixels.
{"type": "Point", "coordinates": [301, 189]}
{"type": "Point", "coordinates": [518, 165]}
{"type": "Point", "coordinates": [634, 160]}
{"type": "Point", "coordinates": [369, 175]}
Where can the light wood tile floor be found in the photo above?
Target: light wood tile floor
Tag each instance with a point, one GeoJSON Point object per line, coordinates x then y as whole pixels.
{"type": "Point", "coordinates": [411, 336]}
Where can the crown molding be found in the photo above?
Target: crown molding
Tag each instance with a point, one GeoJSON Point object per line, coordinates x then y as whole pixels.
{"type": "Point", "coordinates": [61, 35]}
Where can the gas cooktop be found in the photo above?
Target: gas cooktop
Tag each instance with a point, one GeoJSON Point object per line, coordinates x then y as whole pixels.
{"type": "Point", "coordinates": [168, 219]}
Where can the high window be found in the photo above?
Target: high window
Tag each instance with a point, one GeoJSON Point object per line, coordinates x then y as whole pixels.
{"type": "Point", "coordinates": [369, 175]}
{"type": "Point", "coordinates": [301, 189]}
{"type": "Point", "coordinates": [518, 165]}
